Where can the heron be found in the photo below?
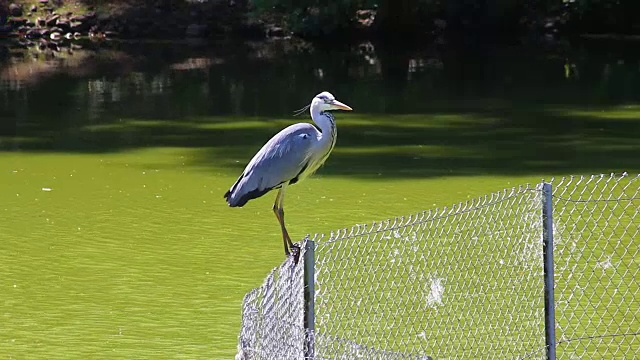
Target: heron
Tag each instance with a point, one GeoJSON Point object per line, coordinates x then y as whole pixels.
{"type": "Point", "coordinates": [287, 158]}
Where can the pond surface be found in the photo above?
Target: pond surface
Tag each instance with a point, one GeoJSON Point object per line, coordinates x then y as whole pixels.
{"type": "Point", "coordinates": [115, 241]}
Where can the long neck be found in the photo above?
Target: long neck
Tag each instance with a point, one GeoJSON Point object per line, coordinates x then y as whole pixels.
{"type": "Point", "coordinates": [327, 140]}
{"type": "Point", "coordinates": [324, 120]}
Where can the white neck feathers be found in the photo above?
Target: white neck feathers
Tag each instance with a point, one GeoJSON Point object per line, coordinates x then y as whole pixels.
{"type": "Point", "coordinates": [324, 120]}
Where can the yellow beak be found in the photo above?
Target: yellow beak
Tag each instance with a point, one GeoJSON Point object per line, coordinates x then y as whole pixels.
{"type": "Point", "coordinates": [338, 105]}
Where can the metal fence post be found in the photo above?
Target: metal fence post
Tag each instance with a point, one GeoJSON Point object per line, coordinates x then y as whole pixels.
{"type": "Point", "coordinates": [309, 298]}
{"type": "Point", "coordinates": [549, 303]}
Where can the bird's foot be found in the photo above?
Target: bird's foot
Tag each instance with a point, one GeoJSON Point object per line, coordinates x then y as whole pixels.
{"type": "Point", "coordinates": [295, 252]}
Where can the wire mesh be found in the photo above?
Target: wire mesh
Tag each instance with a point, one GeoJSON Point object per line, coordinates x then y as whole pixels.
{"type": "Point", "coordinates": [273, 316]}
{"type": "Point", "coordinates": [597, 261]}
{"type": "Point", "coordinates": [458, 283]}
{"type": "Point", "coordinates": [465, 282]}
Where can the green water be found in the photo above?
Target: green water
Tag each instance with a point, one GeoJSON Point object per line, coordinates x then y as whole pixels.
{"type": "Point", "coordinates": [115, 241]}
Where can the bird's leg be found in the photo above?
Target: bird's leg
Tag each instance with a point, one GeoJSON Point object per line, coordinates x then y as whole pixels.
{"type": "Point", "coordinates": [275, 211]}
{"type": "Point", "coordinates": [295, 249]}
{"type": "Point", "coordinates": [278, 210]}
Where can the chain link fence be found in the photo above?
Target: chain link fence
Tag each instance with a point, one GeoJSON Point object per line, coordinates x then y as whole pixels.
{"type": "Point", "coordinates": [597, 262]}
{"type": "Point", "coordinates": [273, 325]}
{"type": "Point", "coordinates": [470, 281]}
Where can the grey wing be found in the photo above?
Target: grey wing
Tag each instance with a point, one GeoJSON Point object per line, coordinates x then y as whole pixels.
{"type": "Point", "coordinates": [281, 160]}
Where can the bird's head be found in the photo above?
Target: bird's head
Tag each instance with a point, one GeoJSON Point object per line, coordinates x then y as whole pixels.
{"type": "Point", "coordinates": [325, 101]}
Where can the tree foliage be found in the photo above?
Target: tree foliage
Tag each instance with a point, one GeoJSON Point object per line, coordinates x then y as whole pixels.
{"type": "Point", "coordinates": [322, 17]}
{"type": "Point", "coordinates": [314, 17]}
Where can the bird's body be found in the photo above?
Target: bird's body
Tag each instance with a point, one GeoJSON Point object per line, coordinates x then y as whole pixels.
{"type": "Point", "coordinates": [288, 157]}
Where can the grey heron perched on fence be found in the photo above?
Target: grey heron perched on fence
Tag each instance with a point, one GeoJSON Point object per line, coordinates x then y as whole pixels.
{"type": "Point", "coordinates": [287, 158]}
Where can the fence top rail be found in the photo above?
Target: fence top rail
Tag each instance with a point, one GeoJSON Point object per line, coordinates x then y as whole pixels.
{"type": "Point", "coordinates": [424, 216]}
{"type": "Point", "coordinates": [578, 179]}
{"type": "Point", "coordinates": [579, 189]}
{"type": "Point", "coordinates": [474, 204]}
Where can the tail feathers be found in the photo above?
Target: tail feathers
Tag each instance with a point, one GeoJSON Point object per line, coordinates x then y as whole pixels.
{"type": "Point", "coordinates": [238, 200]}
{"type": "Point", "coordinates": [238, 196]}
{"type": "Point", "coordinates": [227, 195]}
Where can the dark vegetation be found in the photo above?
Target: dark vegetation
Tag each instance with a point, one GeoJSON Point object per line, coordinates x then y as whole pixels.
{"type": "Point", "coordinates": [139, 19]}
{"type": "Point", "coordinates": [321, 18]}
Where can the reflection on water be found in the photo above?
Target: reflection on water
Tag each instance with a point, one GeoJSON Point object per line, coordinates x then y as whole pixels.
{"type": "Point", "coordinates": [132, 94]}
{"type": "Point", "coordinates": [169, 80]}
